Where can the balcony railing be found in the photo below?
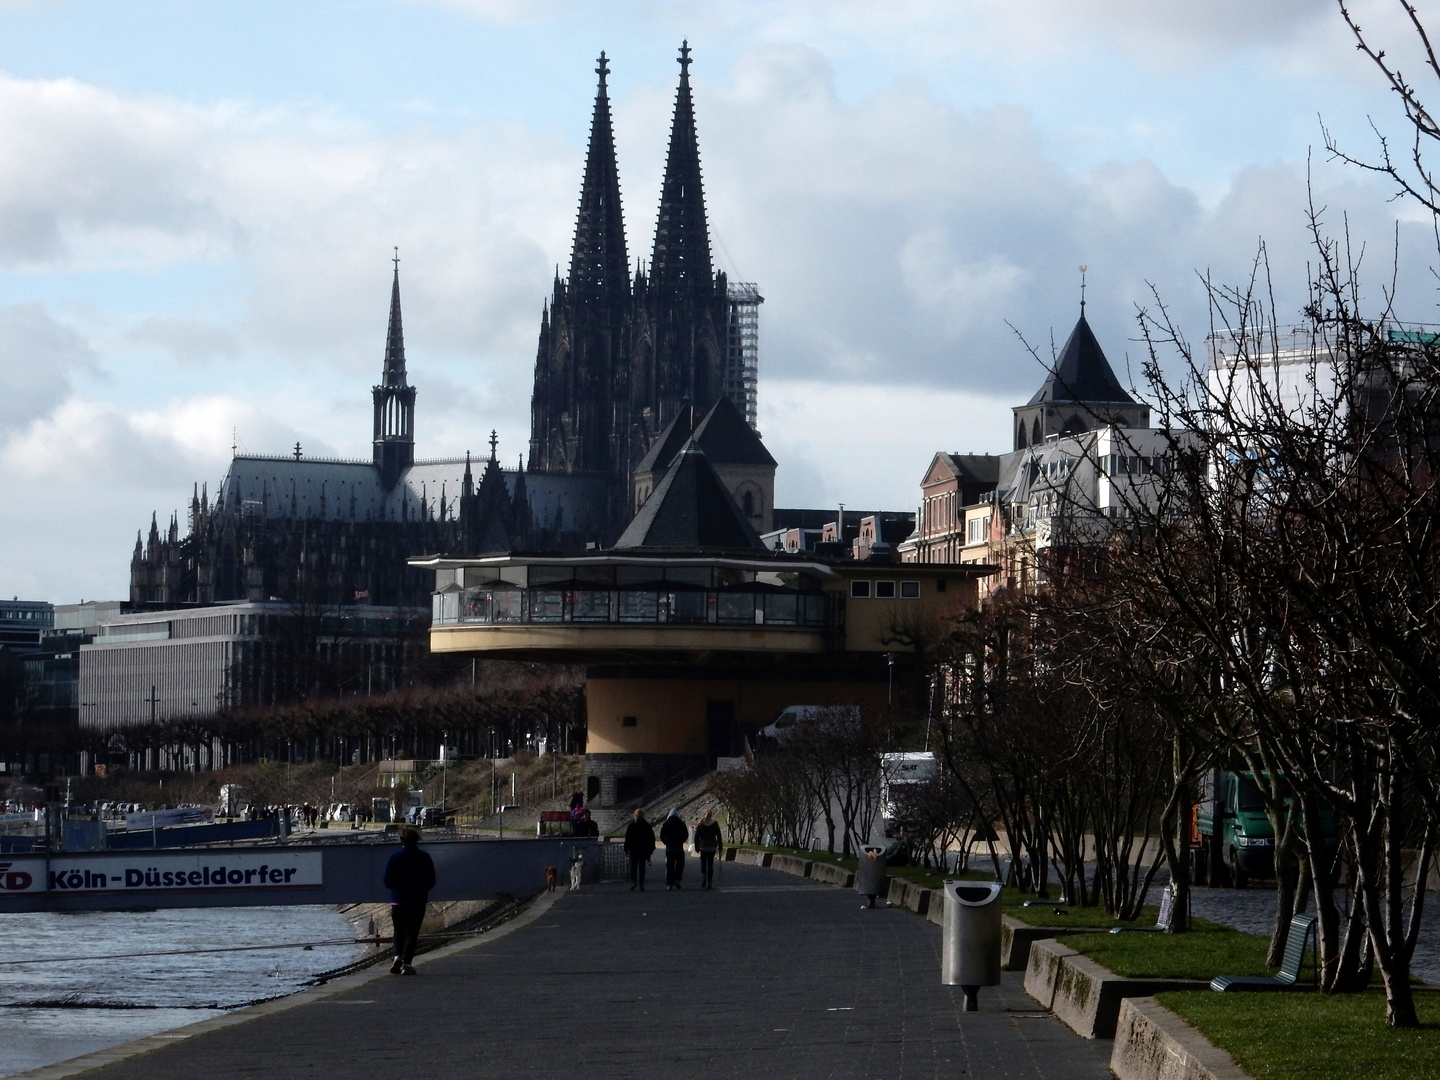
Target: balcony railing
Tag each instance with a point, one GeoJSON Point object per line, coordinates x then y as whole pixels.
{"type": "Point", "coordinates": [502, 607]}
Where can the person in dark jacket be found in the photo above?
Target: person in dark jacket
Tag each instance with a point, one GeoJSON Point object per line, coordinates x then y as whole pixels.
{"type": "Point", "coordinates": [585, 825]}
{"type": "Point", "coordinates": [707, 843]}
{"type": "Point", "coordinates": [674, 834]}
{"type": "Point", "coordinates": [409, 875]}
{"type": "Point", "coordinates": [639, 845]}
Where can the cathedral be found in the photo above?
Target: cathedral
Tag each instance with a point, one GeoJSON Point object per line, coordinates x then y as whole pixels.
{"type": "Point", "coordinates": [633, 366]}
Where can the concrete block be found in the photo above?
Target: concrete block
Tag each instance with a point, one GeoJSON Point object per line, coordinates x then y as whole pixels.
{"type": "Point", "coordinates": [1152, 1043]}
{"type": "Point", "coordinates": [831, 874]}
{"type": "Point", "coordinates": [896, 896]}
{"type": "Point", "coordinates": [1016, 938]}
{"type": "Point", "coordinates": [936, 914]}
{"type": "Point", "coordinates": [792, 864]}
{"type": "Point", "coordinates": [1083, 994]}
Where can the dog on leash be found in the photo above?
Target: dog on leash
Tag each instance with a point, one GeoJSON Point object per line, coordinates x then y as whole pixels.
{"type": "Point", "coordinates": [552, 878]}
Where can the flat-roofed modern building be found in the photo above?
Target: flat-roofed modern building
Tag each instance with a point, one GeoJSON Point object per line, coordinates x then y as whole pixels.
{"type": "Point", "coordinates": [166, 666]}
{"type": "Point", "coordinates": [692, 632]}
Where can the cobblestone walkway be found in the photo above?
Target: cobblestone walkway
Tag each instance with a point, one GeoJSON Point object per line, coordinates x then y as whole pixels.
{"type": "Point", "coordinates": [768, 976]}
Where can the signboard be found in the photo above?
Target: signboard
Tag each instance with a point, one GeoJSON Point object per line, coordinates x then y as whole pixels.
{"type": "Point", "coordinates": [148, 872]}
{"type": "Point", "coordinates": [159, 819]}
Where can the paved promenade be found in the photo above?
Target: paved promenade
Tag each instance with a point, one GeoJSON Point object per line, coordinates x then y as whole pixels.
{"type": "Point", "coordinates": [767, 976]}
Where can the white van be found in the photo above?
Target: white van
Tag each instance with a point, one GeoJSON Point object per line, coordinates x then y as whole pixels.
{"type": "Point", "coordinates": [793, 716]}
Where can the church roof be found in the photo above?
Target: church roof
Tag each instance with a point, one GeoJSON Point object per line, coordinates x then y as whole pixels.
{"type": "Point", "coordinates": [723, 436]}
{"type": "Point", "coordinates": [728, 440]}
{"type": "Point", "coordinates": [1081, 372]}
{"type": "Point", "coordinates": [671, 441]}
{"type": "Point", "coordinates": [690, 509]}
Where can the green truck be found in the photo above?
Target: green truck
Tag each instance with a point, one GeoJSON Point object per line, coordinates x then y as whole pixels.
{"type": "Point", "coordinates": [1233, 837]}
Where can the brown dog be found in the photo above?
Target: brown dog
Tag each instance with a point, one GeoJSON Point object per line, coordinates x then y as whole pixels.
{"type": "Point", "coordinates": [552, 877]}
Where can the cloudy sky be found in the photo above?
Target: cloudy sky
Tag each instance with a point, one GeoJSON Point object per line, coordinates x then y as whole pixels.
{"type": "Point", "coordinates": [198, 203]}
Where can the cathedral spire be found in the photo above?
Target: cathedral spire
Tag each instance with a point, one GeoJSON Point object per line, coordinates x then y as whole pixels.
{"type": "Point", "coordinates": [394, 398]}
{"type": "Point", "coordinates": [599, 264]}
{"type": "Point", "coordinates": [682, 239]}
{"type": "Point", "coordinates": [394, 374]}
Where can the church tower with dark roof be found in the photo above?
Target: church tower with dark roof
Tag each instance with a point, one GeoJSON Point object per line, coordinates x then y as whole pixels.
{"type": "Point", "coordinates": [682, 307]}
{"type": "Point", "coordinates": [394, 440]}
{"type": "Point", "coordinates": [621, 356]}
{"type": "Point", "coordinates": [1080, 393]}
{"type": "Point", "coordinates": [578, 410]}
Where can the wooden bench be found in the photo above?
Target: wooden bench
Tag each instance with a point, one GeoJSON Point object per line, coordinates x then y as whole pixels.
{"type": "Point", "coordinates": [1295, 939]}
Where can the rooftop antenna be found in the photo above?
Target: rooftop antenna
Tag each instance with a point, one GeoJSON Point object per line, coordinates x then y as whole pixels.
{"type": "Point", "coordinates": [1082, 290]}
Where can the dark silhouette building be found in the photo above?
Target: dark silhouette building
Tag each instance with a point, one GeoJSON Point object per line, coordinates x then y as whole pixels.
{"type": "Point", "coordinates": [622, 354]}
{"type": "Point", "coordinates": [623, 360]}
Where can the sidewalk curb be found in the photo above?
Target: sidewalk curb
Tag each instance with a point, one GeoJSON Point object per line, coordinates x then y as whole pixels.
{"type": "Point", "coordinates": [62, 1070]}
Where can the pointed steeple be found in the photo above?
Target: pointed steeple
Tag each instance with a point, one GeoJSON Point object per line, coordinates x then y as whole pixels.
{"type": "Point", "coordinates": [599, 264]}
{"type": "Point", "coordinates": [394, 374]}
{"type": "Point", "coordinates": [682, 238]}
{"type": "Point", "coordinates": [394, 400]}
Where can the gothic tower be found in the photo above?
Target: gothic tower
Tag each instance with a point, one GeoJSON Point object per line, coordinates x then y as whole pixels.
{"type": "Point", "coordinates": [580, 370]}
{"type": "Point", "coordinates": [394, 400]}
{"type": "Point", "coordinates": [682, 309]}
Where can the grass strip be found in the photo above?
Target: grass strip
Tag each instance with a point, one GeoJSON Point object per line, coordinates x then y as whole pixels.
{"type": "Point", "coordinates": [1202, 953]}
{"type": "Point", "coordinates": [1285, 1036]}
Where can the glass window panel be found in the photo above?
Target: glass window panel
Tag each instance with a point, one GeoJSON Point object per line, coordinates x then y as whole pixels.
{"type": "Point", "coordinates": [910, 590]}
{"type": "Point", "coordinates": [592, 605]}
{"type": "Point", "coordinates": [638, 606]}
{"type": "Point", "coordinates": [735, 607]}
{"type": "Point", "coordinates": [477, 606]}
{"type": "Point", "coordinates": [781, 608]}
{"type": "Point", "coordinates": [595, 575]}
{"type": "Point", "coordinates": [859, 588]}
{"type": "Point", "coordinates": [550, 575]}
{"type": "Point", "coordinates": [507, 605]}
{"type": "Point", "coordinates": [814, 609]}
{"type": "Point", "coordinates": [630, 576]}
{"type": "Point", "coordinates": [885, 590]}
{"type": "Point", "coordinates": [688, 607]}
{"type": "Point", "coordinates": [547, 605]}
{"type": "Point", "coordinates": [726, 576]}
{"type": "Point", "coordinates": [698, 576]}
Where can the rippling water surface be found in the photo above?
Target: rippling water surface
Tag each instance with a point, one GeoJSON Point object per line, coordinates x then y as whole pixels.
{"type": "Point", "coordinates": [113, 980]}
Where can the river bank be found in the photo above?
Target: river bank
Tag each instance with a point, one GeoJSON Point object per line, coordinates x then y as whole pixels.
{"type": "Point", "coordinates": [77, 982]}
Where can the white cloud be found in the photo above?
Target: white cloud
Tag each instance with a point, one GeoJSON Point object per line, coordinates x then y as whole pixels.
{"type": "Point", "coordinates": [38, 359]}
{"type": "Point", "coordinates": [893, 234]}
{"type": "Point", "coordinates": [868, 446]}
{"type": "Point", "coordinates": [188, 340]}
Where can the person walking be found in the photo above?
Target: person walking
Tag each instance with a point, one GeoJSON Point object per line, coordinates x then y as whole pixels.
{"type": "Point", "coordinates": [707, 843]}
{"type": "Point", "coordinates": [409, 875]}
{"type": "Point", "coordinates": [674, 834]}
{"type": "Point", "coordinates": [639, 845]}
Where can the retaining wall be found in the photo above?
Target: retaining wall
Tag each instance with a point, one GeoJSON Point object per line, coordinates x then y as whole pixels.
{"type": "Point", "coordinates": [1152, 1043]}
{"type": "Point", "coordinates": [1083, 994]}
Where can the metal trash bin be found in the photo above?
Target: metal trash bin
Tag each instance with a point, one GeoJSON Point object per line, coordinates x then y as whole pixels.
{"type": "Point", "coordinates": [870, 872]}
{"type": "Point", "coordinates": [970, 949]}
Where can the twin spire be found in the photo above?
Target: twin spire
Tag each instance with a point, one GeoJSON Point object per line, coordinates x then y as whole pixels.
{"type": "Point", "coordinates": [599, 261]}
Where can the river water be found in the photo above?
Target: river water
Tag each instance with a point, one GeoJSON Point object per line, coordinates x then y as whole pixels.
{"type": "Point", "coordinates": [110, 977]}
